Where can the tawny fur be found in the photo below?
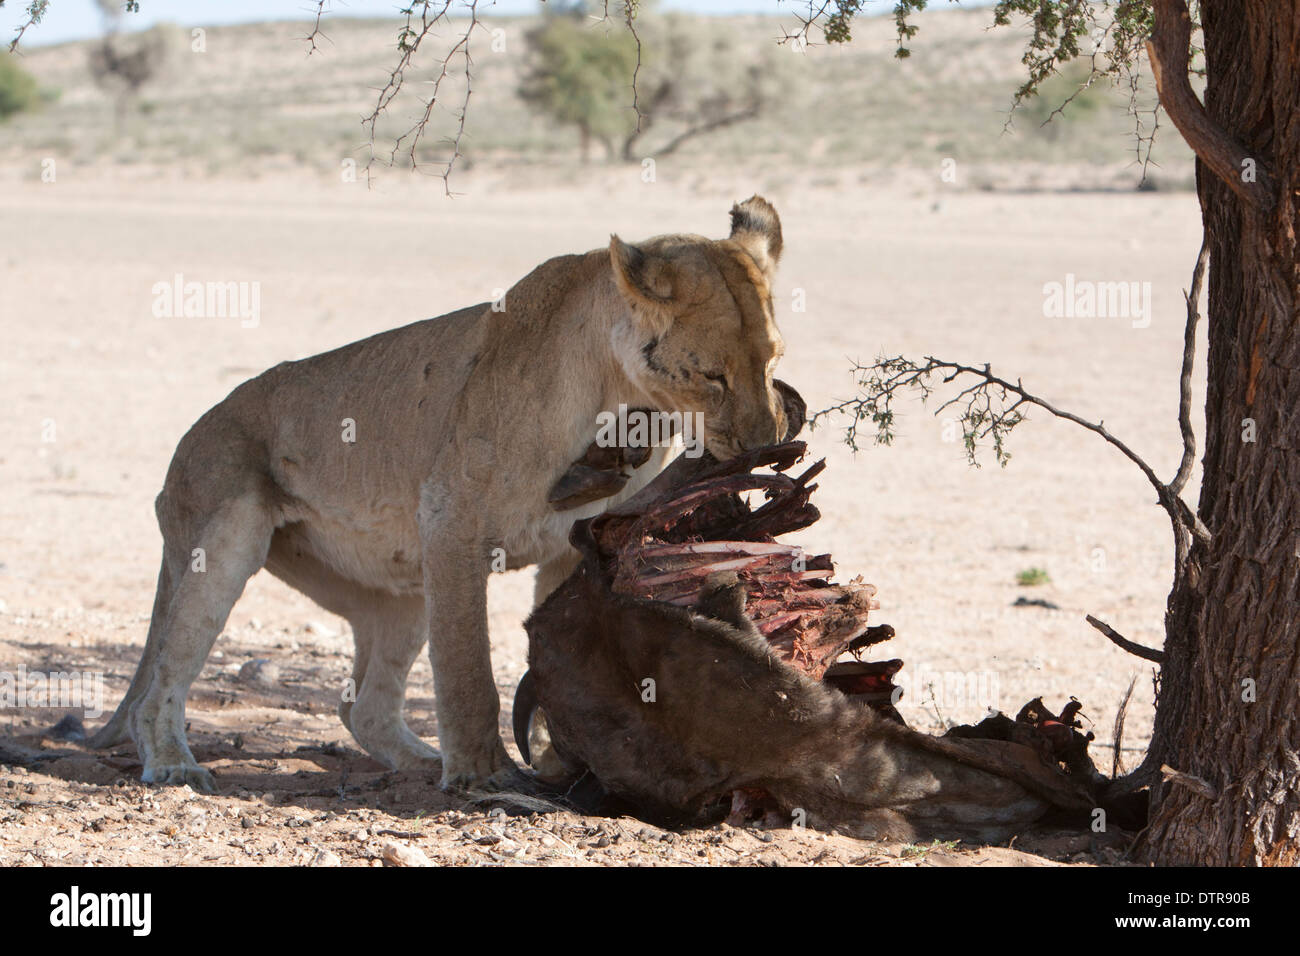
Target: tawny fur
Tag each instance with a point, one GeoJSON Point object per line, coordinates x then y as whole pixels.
{"type": "Point", "coordinates": [462, 424]}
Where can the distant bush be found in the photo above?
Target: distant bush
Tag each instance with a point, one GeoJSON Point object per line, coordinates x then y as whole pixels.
{"type": "Point", "coordinates": [1032, 577]}
{"type": "Point", "coordinates": [580, 72]}
{"type": "Point", "coordinates": [122, 64]}
{"type": "Point", "coordinates": [18, 90]}
{"type": "Point", "coordinates": [580, 75]}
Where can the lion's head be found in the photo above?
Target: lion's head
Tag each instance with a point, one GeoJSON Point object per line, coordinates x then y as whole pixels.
{"type": "Point", "coordinates": [701, 335]}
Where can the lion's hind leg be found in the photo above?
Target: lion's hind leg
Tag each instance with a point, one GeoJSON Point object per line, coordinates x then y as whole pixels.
{"type": "Point", "coordinates": [228, 550]}
{"type": "Point", "coordinates": [116, 730]}
{"type": "Point", "coordinates": [390, 631]}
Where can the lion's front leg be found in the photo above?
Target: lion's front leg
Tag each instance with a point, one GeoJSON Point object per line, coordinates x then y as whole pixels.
{"type": "Point", "coordinates": [455, 581]}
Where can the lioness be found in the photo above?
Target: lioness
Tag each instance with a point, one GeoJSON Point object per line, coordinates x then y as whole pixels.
{"type": "Point", "coordinates": [380, 479]}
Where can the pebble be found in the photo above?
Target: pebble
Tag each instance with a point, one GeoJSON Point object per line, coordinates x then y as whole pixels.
{"type": "Point", "coordinates": [398, 854]}
{"type": "Point", "coordinates": [260, 670]}
{"type": "Point", "coordinates": [69, 728]}
{"type": "Point", "coordinates": [325, 858]}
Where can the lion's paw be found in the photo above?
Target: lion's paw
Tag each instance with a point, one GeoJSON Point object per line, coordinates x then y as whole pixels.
{"type": "Point", "coordinates": [493, 773]}
{"type": "Point", "coordinates": [178, 775]}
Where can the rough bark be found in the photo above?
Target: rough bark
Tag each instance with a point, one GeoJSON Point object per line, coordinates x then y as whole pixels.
{"type": "Point", "coordinates": [1233, 620]}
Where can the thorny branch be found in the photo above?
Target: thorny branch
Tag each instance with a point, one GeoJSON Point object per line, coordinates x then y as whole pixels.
{"type": "Point", "coordinates": [990, 407]}
{"type": "Point", "coordinates": [422, 18]}
{"type": "Point", "coordinates": [630, 9]}
{"type": "Point", "coordinates": [310, 39]}
{"type": "Point", "coordinates": [420, 23]}
{"type": "Point", "coordinates": [816, 12]}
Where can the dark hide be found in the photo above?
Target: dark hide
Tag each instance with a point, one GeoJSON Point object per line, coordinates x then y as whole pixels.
{"type": "Point", "coordinates": [727, 714]}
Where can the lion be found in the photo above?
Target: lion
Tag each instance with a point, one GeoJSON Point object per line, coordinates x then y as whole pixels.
{"type": "Point", "coordinates": [384, 478]}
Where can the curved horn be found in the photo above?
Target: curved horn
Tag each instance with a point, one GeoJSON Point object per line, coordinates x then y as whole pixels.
{"type": "Point", "coordinates": [524, 706]}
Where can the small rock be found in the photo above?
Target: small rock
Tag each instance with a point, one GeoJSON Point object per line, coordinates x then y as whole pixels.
{"type": "Point", "coordinates": [396, 854]}
{"type": "Point", "coordinates": [325, 858]}
{"type": "Point", "coordinates": [260, 670]}
{"type": "Point", "coordinates": [1036, 602]}
{"type": "Point", "coordinates": [69, 728]}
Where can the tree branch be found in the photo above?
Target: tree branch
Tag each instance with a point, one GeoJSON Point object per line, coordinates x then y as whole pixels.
{"type": "Point", "coordinates": [1168, 50]}
{"type": "Point", "coordinates": [34, 12]}
{"type": "Point", "coordinates": [1193, 298]}
{"type": "Point", "coordinates": [887, 376]}
{"type": "Point", "coordinates": [1189, 782]}
{"type": "Point", "coordinates": [310, 39]}
{"type": "Point", "coordinates": [706, 127]}
{"type": "Point", "coordinates": [1122, 642]}
{"type": "Point", "coordinates": [409, 39]}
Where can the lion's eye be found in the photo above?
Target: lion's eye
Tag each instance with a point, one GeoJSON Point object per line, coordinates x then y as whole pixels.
{"type": "Point", "coordinates": [717, 378]}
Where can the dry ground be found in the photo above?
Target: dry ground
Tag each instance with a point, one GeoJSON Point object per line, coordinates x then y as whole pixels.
{"type": "Point", "coordinates": [229, 171]}
{"type": "Point", "coordinates": [958, 274]}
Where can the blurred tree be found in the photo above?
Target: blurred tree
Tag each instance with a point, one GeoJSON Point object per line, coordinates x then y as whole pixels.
{"type": "Point", "coordinates": [18, 90]}
{"type": "Point", "coordinates": [691, 84]}
{"type": "Point", "coordinates": [579, 74]}
{"type": "Point", "coordinates": [687, 84]}
{"type": "Point", "coordinates": [122, 64]}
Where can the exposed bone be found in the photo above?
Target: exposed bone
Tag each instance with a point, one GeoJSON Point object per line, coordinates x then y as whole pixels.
{"type": "Point", "coordinates": [683, 589]}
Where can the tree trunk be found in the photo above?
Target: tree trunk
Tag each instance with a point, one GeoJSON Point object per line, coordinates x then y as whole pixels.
{"type": "Point", "coordinates": [584, 142]}
{"type": "Point", "coordinates": [1229, 699]}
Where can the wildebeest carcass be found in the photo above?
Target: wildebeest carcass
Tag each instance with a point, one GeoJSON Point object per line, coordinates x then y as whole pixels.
{"type": "Point", "coordinates": [688, 664]}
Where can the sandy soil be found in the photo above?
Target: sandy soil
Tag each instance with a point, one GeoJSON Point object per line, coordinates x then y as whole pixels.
{"type": "Point", "coordinates": [96, 391]}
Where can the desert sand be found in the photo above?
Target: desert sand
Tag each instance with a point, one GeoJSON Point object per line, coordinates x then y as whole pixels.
{"type": "Point", "coordinates": [96, 391]}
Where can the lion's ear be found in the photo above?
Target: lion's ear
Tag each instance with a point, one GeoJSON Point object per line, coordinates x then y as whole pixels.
{"type": "Point", "coordinates": [644, 279]}
{"type": "Point", "coordinates": [756, 226]}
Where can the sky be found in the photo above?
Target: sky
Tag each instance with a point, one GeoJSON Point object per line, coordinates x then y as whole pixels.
{"type": "Point", "coordinates": [80, 19]}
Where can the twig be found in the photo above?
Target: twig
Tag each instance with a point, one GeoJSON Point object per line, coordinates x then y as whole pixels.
{"type": "Point", "coordinates": [981, 418]}
{"type": "Point", "coordinates": [310, 39]}
{"type": "Point", "coordinates": [707, 127]}
{"type": "Point", "coordinates": [630, 10]}
{"type": "Point", "coordinates": [1117, 764]}
{"type": "Point", "coordinates": [1193, 298]}
{"type": "Point", "coordinates": [35, 11]}
{"type": "Point", "coordinates": [815, 13]}
{"type": "Point", "coordinates": [1119, 640]}
{"type": "Point", "coordinates": [1189, 782]}
{"type": "Point", "coordinates": [629, 17]}
{"type": "Point", "coordinates": [409, 40]}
